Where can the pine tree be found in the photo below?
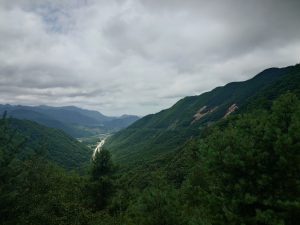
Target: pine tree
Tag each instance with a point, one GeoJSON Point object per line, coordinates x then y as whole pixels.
{"type": "Point", "coordinates": [252, 167]}
{"type": "Point", "coordinates": [101, 186]}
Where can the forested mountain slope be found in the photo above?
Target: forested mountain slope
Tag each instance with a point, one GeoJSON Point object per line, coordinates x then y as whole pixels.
{"type": "Point", "coordinates": [242, 170]}
{"type": "Point", "coordinates": [59, 147]}
{"type": "Point", "coordinates": [154, 136]}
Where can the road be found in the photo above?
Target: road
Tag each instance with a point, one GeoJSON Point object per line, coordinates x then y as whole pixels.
{"type": "Point", "coordinates": [99, 147]}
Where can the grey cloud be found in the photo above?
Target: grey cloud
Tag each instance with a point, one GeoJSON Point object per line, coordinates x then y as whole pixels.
{"type": "Point", "coordinates": [138, 56]}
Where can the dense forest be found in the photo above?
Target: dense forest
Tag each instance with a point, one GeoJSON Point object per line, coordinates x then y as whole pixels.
{"type": "Point", "coordinates": [149, 112]}
{"type": "Point", "coordinates": [157, 135]}
{"type": "Point", "coordinates": [240, 170]}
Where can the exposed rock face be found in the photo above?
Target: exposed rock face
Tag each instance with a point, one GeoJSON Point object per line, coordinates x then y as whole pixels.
{"type": "Point", "coordinates": [202, 112]}
{"type": "Point", "coordinates": [231, 109]}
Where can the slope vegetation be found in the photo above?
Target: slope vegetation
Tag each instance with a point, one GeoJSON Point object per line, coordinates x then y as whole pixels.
{"type": "Point", "coordinates": [157, 135]}
{"type": "Point", "coordinates": [60, 148]}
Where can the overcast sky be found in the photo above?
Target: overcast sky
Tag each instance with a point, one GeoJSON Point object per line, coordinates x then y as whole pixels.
{"type": "Point", "coordinates": [138, 56]}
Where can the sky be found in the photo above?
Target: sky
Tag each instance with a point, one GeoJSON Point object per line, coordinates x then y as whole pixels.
{"type": "Point", "coordinates": [138, 56]}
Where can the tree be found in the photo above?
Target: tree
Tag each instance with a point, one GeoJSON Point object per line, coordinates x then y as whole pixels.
{"type": "Point", "coordinates": [101, 186]}
{"type": "Point", "coordinates": [252, 168]}
{"type": "Point", "coordinates": [10, 168]}
{"type": "Point", "coordinates": [157, 206]}
{"type": "Point", "coordinates": [32, 190]}
{"type": "Point", "coordinates": [102, 164]}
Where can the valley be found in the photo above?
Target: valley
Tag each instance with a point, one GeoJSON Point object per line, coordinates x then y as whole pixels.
{"type": "Point", "coordinates": [93, 141]}
{"type": "Point", "coordinates": [147, 112]}
{"type": "Point", "coordinates": [74, 121]}
{"type": "Point", "coordinates": [180, 165]}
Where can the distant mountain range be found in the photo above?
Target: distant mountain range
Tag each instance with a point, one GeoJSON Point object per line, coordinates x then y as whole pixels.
{"type": "Point", "coordinates": [74, 121]}
{"type": "Point", "coordinates": [154, 136]}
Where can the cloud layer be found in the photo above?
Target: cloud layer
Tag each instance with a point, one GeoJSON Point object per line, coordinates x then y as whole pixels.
{"type": "Point", "coordinates": [138, 57]}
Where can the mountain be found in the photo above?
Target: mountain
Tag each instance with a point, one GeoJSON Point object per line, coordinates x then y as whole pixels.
{"type": "Point", "coordinates": [59, 147]}
{"type": "Point", "coordinates": [121, 122]}
{"type": "Point", "coordinates": [157, 135]}
{"type": "Point", "coordinates": [74, 121]}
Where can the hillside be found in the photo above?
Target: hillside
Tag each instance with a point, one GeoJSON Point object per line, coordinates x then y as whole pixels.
{"type": "Point", "coordinates": [74, 121]}
{"type": "Point", "coordinates": [157, 135]}
{"type": "Point", "coordinates": [59, 148]}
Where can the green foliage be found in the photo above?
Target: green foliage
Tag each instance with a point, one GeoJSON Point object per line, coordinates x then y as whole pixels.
{"type": "Point", "coordinates": [155, 136]}
{"type": "Point", "coordinates": [264, 98]}
{"type": "Point", "coordinates": [101, 186]}
{"type": "Point", "coordinates": [182, 163]}
{"type": "Point", "coordinates": [10, 145]}
{"type": "Point", "coordinates": [34, 191]}
{"type": "Point", "coordinates": [102, 164]}
{"type": "Point", "coordinates": [60, 148]}
{"type": "Point", "coordinates": [100, 193]}
{"type": "Point", "coordinates": [156, 206]}
{"type": "Point", "coordinates": [49, 196]}
{"type": "Point", "coordinates": [252, 168]}
{"type": "Point", "coordinates": [241, 170]}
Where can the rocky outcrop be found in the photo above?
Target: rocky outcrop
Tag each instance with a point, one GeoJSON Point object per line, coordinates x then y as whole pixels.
{"type": "Point", "coordinates": [231, 109]}
{"type": "Point", "coordinates": [203, 112]}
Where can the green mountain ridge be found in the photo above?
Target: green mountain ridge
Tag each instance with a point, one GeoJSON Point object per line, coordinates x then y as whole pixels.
{"type": "Point", "coordinates": [74, 121]}
{"type": "Point", "coordinates": [59, 147]}
{"type": "Point", "coordinates": [157, 135]}
{"type": "Point", "coordinates": [229, 156]}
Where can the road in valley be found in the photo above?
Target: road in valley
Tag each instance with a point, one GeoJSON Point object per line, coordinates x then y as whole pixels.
{"type": "Point", "coordinates": [98, 147]}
